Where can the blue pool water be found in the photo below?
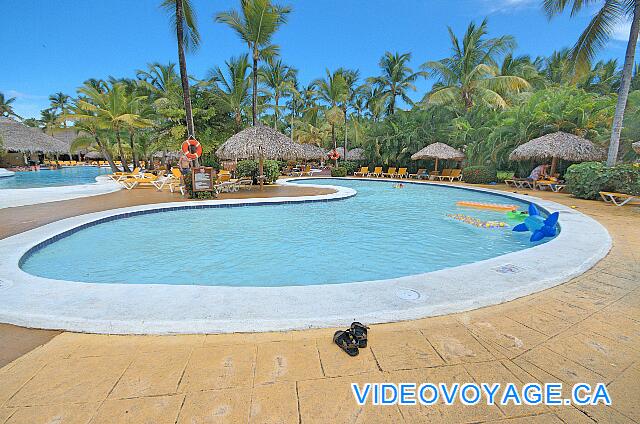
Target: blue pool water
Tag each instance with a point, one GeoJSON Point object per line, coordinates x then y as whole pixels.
{"type": "Point", "coordinates": [380, 233]}
{"type": "Point", "coordinates": [53, 178]}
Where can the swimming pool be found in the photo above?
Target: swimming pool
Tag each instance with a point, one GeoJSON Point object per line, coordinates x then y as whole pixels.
{"type": "Point", "coordinates": [381, 233]}
{"type": "Point", "coordinates": [53, 178]}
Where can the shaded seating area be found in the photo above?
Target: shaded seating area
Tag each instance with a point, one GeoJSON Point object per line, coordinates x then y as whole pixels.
{"type": "Point", "coordinates": [440, 151]}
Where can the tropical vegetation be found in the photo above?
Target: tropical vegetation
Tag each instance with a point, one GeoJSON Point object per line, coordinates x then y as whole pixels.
{"type": "Point", "coordinates": [485, 98]}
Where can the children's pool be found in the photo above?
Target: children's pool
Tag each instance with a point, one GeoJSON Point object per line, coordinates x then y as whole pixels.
{"type": "Point", "coordinates": [381, 233]}
{"type": "Point", "coordinates": [54, 178]}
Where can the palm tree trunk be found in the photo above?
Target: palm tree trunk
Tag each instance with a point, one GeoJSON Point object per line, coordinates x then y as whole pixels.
{"type": "Point", "coordinates": [623, 93]}
{"type": "Point", "coordinates": [254, 94]}
{"type": "Point", "coordinates": [133, 150]}
{"type": "Point", "coordinates": [123, 159]}
{"type": "Point", "coordinates": [184, 77]}
{"type": "Point", "coordinates": [275, 113]}
{"type": "Point", "coordinates": [345, 133]}
{"type": "Point", "coordinates": [106, 154]}
{"type": "Point", "coordinates": [333, 138]}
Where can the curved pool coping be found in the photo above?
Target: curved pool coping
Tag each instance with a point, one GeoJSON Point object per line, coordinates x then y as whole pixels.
{"type": "Point", "coordinates": [32, 301]}
{"type": "Point", "coordinates": [12, 197]}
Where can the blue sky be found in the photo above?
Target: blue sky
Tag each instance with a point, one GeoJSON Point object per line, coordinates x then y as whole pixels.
{"type": "Point", "coordinates": [51, 46]}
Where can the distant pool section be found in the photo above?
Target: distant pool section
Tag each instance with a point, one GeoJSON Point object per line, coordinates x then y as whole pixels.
{"type": "Point", "coordinates": [160, 308]}
{"type": "Point", "coordinates": [53, 178]}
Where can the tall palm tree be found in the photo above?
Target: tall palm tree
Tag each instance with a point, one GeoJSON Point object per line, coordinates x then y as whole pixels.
{"type": "Point", "coordinates": [256, 24]}
{"type": "Point", "coordinates": [350, 77]}
{"type": "Point", "coordinates": [232, 88]}
{"type": "Point", "coordinates": [183, 19]}
{"type": "Point", "coordinates": [594, 38]}
{"type": "Point", "coordinates": [6, 106]}
{"type": "Point", "coordinates": [333, 90]}
{"type": "Point", "coordinates": [60, 102]}
{"type": "Point", "coordinates": [280, 79]}
{"type": "Point", "coordinates": [471, 73]}
{"type": "Point", "coordinates": [397, 79]}
{"type": "Point", "coordinates": [159, 78]}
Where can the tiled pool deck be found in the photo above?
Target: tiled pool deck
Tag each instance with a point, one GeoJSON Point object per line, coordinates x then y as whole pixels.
{"type": "Point", "coordinates": [587, 330]}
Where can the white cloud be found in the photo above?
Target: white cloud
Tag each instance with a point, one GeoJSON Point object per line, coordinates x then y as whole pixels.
{"type": "Point", "coordinates": [621, 31]}
{"type": "Point", "coordinates": [507, 6]}
{"type": "Point", "coordinates": [21, 95]}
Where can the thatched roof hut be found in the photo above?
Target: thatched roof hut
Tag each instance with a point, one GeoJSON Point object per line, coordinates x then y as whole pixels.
{"type": "Point", "coordinates": [17, 137]}
{"type": "Point", "coordinates": [353, 154]}
{"type": "Point", "coordinates": [558, 145]}
{"type": "Point", "coordinates": [94, 155]}
{"type": "Point", "coordinates": [438, 151]}
{"type": "Point", "coordinates": [259, 142]}
{"type": "Point", "coordinates": [636, 147]}
{"type": "Point", "coordinates": [312, 152]}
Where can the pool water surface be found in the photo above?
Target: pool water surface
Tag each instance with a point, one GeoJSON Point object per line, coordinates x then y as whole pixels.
{"type": "Point", "coordinates": [381, 233]}
{"type": "Point", "coordinates": [54, 178]}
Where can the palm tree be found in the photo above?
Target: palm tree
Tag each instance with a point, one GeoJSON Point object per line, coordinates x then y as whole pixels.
{"type": "Point", "coordinates": [333, 90]}
{"type": "Point", "coordinates": [183, 19]}
{"type": "Point", "coordinates": [256, 24]}
{"type": "Point", "coordinates": [594, 38]}
{"type": "Point", "coordinates": [558, 68]}
{"type": "Point", "coordinates": [114, 110]}
{"type": "Point", "coordinates": [471, 74]}
{"type": "Point", "coordinates": [6, 106]}
{"type": "Point", "coordinates": [280, 79]}
{"type": "Point", "coordinates": [396, 80]}
{"type": "Point", "coordinates": [232, 88]}
{"type": "Point", "coordinates": [60, 102]}
{"type": "Point", "coordinates": [50, 121]}
{"type": "Point", "coordinates": [350, 77]}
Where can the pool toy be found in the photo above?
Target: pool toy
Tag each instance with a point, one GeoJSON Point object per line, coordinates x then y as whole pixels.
{"type": "Point", "coordinates": [477, 222]}
{"type": "Point", "coordinates": [517, 215]}
{"type": "Point", "coordinates": [539, 226]}
{"type": "Point", "coordinates": [494, 206]}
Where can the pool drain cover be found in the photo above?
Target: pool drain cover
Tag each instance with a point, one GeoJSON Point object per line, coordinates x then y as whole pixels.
{"type": "Point", "coordinates": [508, 269]}
{"type": "Point", "coordinates": [407, 294]}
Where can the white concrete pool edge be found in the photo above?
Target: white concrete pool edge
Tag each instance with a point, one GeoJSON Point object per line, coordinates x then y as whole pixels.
{"type": "Point", "coordinates": [12, 197]}
{"type": "Point", "coordinates": [33, 301]}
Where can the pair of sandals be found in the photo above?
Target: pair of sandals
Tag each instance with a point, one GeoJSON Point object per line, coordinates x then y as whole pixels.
{"type": "Point", "coordinates": [352, 339]}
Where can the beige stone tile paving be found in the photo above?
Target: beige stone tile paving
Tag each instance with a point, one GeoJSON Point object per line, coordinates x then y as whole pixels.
{"type": "Point", "coordinates": [586, 330]}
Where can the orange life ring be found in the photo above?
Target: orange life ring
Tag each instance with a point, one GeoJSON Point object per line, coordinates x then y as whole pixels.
{"type": "Point", "coordinates": [186, 148]}
{"type": "Point", "coordinates": [334, 155]}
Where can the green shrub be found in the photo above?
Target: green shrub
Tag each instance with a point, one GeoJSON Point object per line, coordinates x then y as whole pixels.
{"type": "Point", "coordinates": [249, 168]}
{"type": "Point", "coordinates": [585, 180]}
{"type": "Point", "coordinates": [350, 166]}
{"type": "Point", "coordinates": [339, 172]}
{"type": "Point", "coordinates": [623, 178]}
{"type": "Point", "coordinates": [504, 175]}
{"type": "Point", "coordinates": [479, 174]}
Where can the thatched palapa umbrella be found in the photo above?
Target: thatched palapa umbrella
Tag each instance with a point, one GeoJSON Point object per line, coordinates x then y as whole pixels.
{"type": "Point", "coordinates": [353, 154]}
{"type": "Point", "coordinates": [311, 152]}
{"type": "Point", "coordinates": [259, 142]}
{"type": "Point", "coordinates": [438, 151]}
{"type": "Point", "coordinates": [558, 145]}
{"type": "Point", "coordinates": [17, 137]}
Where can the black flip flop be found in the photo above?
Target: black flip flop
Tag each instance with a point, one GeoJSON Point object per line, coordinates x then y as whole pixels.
{"type": "Point", "coordinates": [359, 331]}
{"type": "Point", "coordinates": [347, 342]}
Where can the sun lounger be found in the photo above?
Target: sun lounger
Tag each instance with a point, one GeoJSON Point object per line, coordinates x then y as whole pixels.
{"type": "Point", "coordinates": [618, 199]}
{"type": "Point", "coordinates": [555, 186]}
{"type": "Point", "coordinates": [520, 183]}
{"type": "Point", "coordinates": [364, 171]}
{"type": "Point", "coordinates": [144, 180]}
{"type": "Point", "coordinates": [402, 173]}
{"type": "Point", "coordinates": [391, 172]}
{"type": "Point", "coordinates": [244, 182]}
{"type": "Point", "coordinates": [377, 172]}
{"type": "Point", "coordinates": [118, 176]}
{"type": "Point", "coordinates": [445, 174]}
{"type": "Point", "coordinates": [418, 174]}
{"type": "Point", "coordinates": [454, 174]}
